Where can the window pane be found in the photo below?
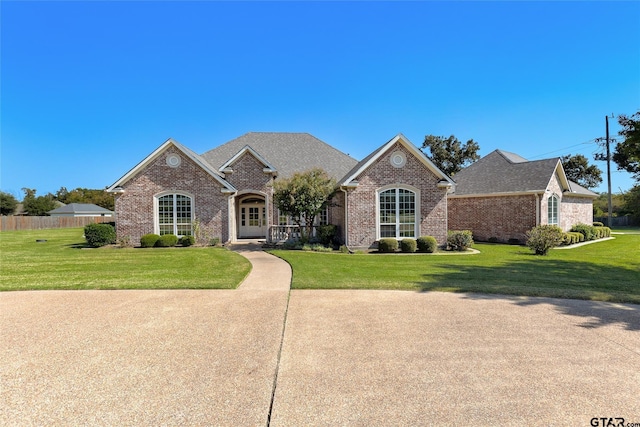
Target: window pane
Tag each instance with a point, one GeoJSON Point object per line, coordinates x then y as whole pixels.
{"type": "Point", "coordinates": [387, 231]}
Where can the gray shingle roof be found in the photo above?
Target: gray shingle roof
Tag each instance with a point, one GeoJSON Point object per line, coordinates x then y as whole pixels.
{"type": "Point", "coordinates": [287, 152]}
{"type": "Point", "coordinates": [81, 208]}
{"type": "Point", "coordinates": [504, 172]}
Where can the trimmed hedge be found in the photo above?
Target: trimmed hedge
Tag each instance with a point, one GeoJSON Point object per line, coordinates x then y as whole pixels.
{"type": "Point", "coordinates": [542, 238]}
{"type": "Point", "coordinates": [99, 234]}
{"type": "Point", "coordinates": [167, 241]}
{"type": "Point", "coordinates": [588, 231]}
{"type": "Point", "coordinates": [149, 240]}
{"type": "Point", "coordinates": [427, 244]}
{"type": "Point", "coordinates": [387, 245]}
{"type": "Point", "coordinates": [326, 233]}
{"type": "Point", "coordinates": [459, 240]}
{"type": "Point", "coordinates": [187, 240]}
{"type": "Point", "coordinates": [572, 237]}
{"type": "Point", "coordinates": [408, 245]}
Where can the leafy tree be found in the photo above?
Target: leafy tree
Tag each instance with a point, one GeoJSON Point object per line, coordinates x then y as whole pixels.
{"type": "Point", "coordinates": [8, 203]}
{"type": "Point", "coordinates": [86, 195]}
{"type": "Point", "coordinates": [578, 170]}
{"type": "Point", "coordinates": [303, 197]}
{"type": "Point", "coordinates": [632, 201]}
{"type": "Point", "coordinates": [449, 154]}
{"type": "Point", "coordinates": [627, 153]}
{"type": "Point", "coordinates": [601, 205]}
{"type": "Point", "coordinates": [37, 206]}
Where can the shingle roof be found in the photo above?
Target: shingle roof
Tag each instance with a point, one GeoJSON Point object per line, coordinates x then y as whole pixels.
{"type": "Point", "coordinates": [504, 172]}
{"type": "Point", "coordinates": [80, 208]}
{"type": "Point", "coordinates": [287, 152]}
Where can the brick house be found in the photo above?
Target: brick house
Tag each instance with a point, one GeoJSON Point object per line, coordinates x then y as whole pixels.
{"type": "Point", "coordinates": [226, 192]}
{"type": "Point", "coordinates": [503, 195]}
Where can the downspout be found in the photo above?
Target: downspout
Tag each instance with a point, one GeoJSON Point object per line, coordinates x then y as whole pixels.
{"type": "Point", "coordinates": [346, 218]}
{"type": "Point", "coordinates": [537, 209]}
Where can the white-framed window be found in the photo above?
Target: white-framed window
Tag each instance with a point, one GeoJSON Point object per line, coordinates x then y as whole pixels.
{"type": "Point", "coordinates": [174, 214]}
{"type": "Point", "coordinates": [553, 209]}
{"type": "Point", "coordinates": [397, 212]}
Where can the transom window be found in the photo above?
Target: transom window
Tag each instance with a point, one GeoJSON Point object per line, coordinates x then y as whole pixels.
{"type": "Point", "coordinates": [175, 214]}
{"type": "Point", "coordinates": [552, 210]}
{"type": "Point", "coordinates": [397, 213]}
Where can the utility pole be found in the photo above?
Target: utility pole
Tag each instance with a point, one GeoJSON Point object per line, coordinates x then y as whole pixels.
{"type": "Point", "coordinates": [606, 118]}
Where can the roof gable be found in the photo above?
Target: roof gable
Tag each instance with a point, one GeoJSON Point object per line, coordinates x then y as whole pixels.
{"type": "Point", "coordinates": [350, 177]}
{"type": "Point", "coordinates": [268, 168]}
{"type": "Point", "coordinates": [227, 187]}
{"type": "Point", "coordinates": [285, 152]}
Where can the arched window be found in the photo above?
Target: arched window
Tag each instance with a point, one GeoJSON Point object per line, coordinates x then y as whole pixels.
{"type": "Point", "coordinates": [552, 210]}
{"type": "Point", "coordinates": [174, 214]}
{"type": "Point", "coordinates": [397, 213]}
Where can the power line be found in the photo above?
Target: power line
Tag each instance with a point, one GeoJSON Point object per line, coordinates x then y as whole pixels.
{"type": "Point", "coordinates": [591, 141]}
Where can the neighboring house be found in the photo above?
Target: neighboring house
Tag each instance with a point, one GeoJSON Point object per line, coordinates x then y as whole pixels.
{"type": "Point", "coordinates": [80, 210]}
{"type": "Point", "coordinates": [226, 192]}
{"type": "Point", "coordinates": [503, 195]}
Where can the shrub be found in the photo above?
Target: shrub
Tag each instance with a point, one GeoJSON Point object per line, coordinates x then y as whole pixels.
{"type": "Point", "coordinates": [588, 231]}
{"type": "Point", "coordinates": [459, 240]}
{"type": "Point", "coordinates": [408, 245]}
{"type": "Point", "coordinates": [492, 240]}
{"type": "Point", "coordinates": [598, 224]}
{"type": "Point", "coordinates": [99, 234]}
{"type": "Point", "coordinates": [606, 232]}
{"type": "Point", "coordinates": [427, 244]}
{"type": "Point", "coordinates": [187, 240]}
{"type": "Point", "coordinates": [149, 240]}
{"type": "Point", "coordinates": [544, 237]}
{"type": "Point", "coordinates": [214, 241]}
{"type": "Point", "coordinates": [344, 249]}
{"type": "Point", "coordinates": [167, 241]}
{"type": "Point", "coordinates": [571, 238]}
{"type": "Point", "coordinates": [387, 245]}
{"type": "Point", "coordinates": [326, 233]}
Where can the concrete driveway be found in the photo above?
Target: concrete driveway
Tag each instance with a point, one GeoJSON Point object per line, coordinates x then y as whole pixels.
{"type": "Point", "coordinates": [269, 357]}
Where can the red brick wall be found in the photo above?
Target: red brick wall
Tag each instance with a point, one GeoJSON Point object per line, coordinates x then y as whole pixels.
{"type": "Point", "coordinates": [248, 176]}
{"type": "Point", "coordinates": [504, 217]}
{"type": "Point", "coordinates": [575, 210]}
{"type": "Point", "coordinates": [361, 202]}
{"type": "Point", "coordinates": [135, 207]}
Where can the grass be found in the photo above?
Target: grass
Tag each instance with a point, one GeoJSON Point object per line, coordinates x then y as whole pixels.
{"type": "Point", "coordinates": [602, 271]}
{"type": "Point", "coordinates": [64, 262]}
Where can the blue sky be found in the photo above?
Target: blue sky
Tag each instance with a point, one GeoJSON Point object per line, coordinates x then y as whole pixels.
{"type": "Point", "coordinates": [88, 89]}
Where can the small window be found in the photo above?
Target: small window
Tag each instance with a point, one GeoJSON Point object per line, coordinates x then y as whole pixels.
{"type": "Point", "coordinates": [552, 210]}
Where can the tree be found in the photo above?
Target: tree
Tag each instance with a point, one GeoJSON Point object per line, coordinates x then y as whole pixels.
{"type": "Point", "coordinates": [627, 153]}
{"type": "Point", "coordinates": [86, 195]}
{"type": "Point", "coordinates": [449, 154]}
{"type": "Point", "coordinates": [8, 203]}
{"type": "Point", "coordinates": [578, 170]}
{"type": "Point", "coordinates": [632, 201]}
{"type": "Point", "coordinates": [37, 206]}
{"type": "Point", "coordinates": [303, 197]}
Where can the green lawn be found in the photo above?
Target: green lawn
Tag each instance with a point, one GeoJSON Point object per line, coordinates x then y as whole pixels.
{"type": "Point", "coordinates": [63, 262]}
{"type": "Point", "coordinates": [603, 271]}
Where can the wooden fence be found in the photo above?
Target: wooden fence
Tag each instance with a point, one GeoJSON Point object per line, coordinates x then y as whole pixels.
{"type": "Point", "coordinates": [10, 223]}
{"type": "Point", "coordinates": [617, 221]}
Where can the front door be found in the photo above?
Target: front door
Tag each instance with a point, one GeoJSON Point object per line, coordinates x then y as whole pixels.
{"type": "Point", "coordinates": [253, 219]}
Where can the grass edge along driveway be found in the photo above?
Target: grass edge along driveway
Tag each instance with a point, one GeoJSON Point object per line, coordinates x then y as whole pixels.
{"type": "Point", "coordinates": [64, 262]}
{"type": "Point", "coordinates": [601, 271]}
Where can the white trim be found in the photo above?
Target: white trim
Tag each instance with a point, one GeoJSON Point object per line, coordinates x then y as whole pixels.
{"type": "Point", "coordinates": [267, 207]}
{"type": "Point", "coordinates": [156, 208]}
{"type": "Point", "coordinates": [558, 203]}
{"type": "Point", "coordinates": [400, 138]}
{"type": "Point", "coordinates": [346, 216]}
{"type": "Point", "coordinates": [505, 194]}
{"type": "Point", "coordinates": [417, 210]}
